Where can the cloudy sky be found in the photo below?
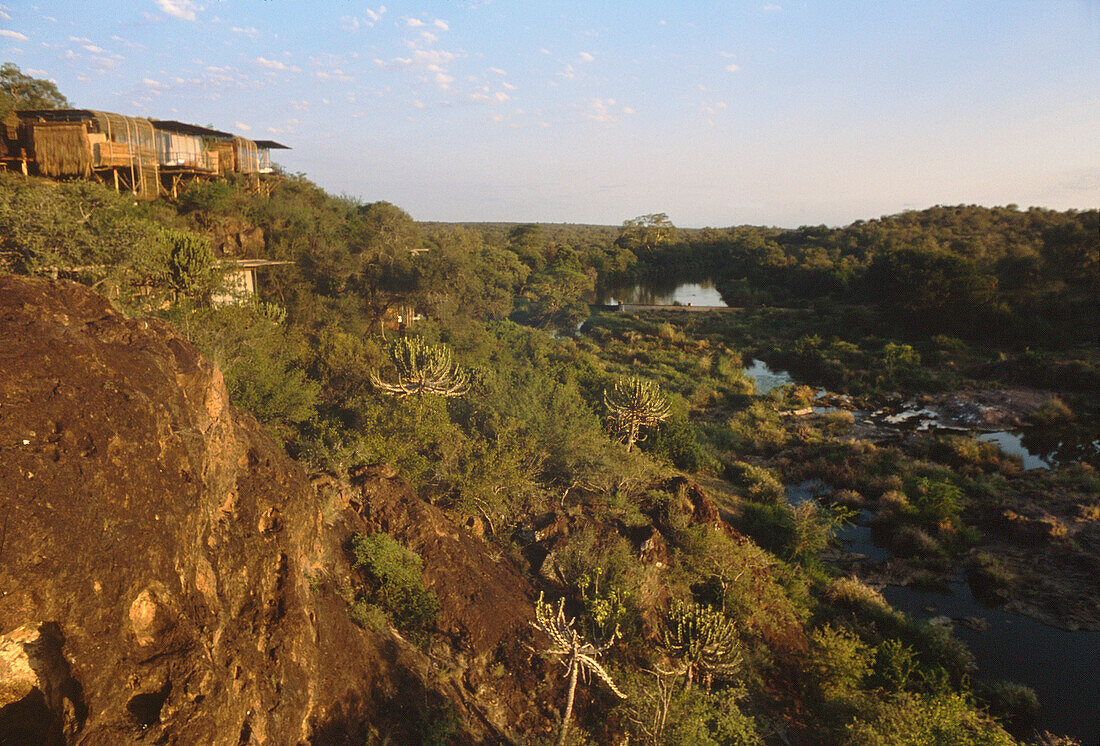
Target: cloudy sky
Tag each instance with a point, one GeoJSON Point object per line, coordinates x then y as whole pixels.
{"type": "Point", "coordinates": [718, 112]}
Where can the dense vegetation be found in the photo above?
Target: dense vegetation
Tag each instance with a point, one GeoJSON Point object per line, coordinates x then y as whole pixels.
{"type": "Point", "coordinates": [728, 640]}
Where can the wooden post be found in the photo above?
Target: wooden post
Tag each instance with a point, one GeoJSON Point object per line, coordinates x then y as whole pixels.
{"type": "Point", "coordinates": [115, 172]}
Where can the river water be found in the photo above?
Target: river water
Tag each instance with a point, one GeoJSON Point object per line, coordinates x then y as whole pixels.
{"type": "Point", "coordinates": [657, 293]}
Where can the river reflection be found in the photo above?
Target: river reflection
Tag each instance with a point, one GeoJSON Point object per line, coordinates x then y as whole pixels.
{"type": "Point", "coordinates": [652, 292]}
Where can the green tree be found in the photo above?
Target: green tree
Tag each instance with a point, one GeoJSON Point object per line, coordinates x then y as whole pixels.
{"type": "Point", "coordinates": [643, 234]}
{"type": "Point", "coordinates": [19, 91]}
{"type": "Point", "coordinates": [703, 639]}
{"type": "Point", "coordinates": [634, 405]}
{"type": "Point", "coordinates": [192, 267]}
{"type": "Point", "coordinates": [422, 368]}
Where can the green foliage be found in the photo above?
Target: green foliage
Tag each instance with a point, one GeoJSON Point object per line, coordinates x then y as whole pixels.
{"type": "Point", "coordinates": [710, 719]}
{"type": "Point", "coordinates": [916, 720]}
{"type": "Point", "coordinates": [260, 357]}
{"type": "Point", "coordinates": [554, 297]}
{"type": "Point", "coordinates": [635, 405]}
{"type": "Point", "coordinates": [84, 231]}
{"type": "Point", "coordinates": [1013, 705]}
{"type": "Point", "coordinates": [19, 91]}
{"type": "Point", "coordinates": [395, 573]}
{"type": "Point", "coordinates": [703, 639]}
{"type": "Point", "coordinates": [839, 662]}
{"type": "Point", "coordinates": [422, 368]}
{"type": "Point", "coordinates": [938, 501]}
{"type": "Point", "coordinates": [192, 267]}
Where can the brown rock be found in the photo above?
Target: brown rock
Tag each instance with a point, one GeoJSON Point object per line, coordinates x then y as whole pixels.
{"type": "Point", "coordinates": [188, 570]}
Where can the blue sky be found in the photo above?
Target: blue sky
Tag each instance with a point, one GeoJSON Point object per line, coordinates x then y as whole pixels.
{"type": "Point", "coordinates": [718, 113]}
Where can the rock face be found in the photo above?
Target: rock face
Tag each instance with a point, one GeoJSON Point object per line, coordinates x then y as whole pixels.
{"type": "Point", "coordinates": [168, 574]}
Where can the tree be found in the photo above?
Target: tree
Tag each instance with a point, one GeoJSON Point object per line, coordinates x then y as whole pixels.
{"type": "Point", "coordinates": [580, 655]}
{"type": "Point", "coordinates": [704, 639]}
{"type": "Point", "coordinates": [645, 233]}
{"type": "Point", "coordinates": [635, 404]}
{"type": "Point", "coordinates": [19, 91]}
{"type": "Point", "coordinates": [422, 368]}
{"type": "Point", "coordinates": [192, 267]}
{"type": "Point", "coordinates": [382, 267]}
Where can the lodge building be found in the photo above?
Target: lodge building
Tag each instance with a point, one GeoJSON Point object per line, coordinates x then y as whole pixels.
{"type": "Point", "coordinates": [149, 157]}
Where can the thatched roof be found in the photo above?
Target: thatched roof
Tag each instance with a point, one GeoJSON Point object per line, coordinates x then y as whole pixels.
{"type": "Point", "coordinates": [62, 149]}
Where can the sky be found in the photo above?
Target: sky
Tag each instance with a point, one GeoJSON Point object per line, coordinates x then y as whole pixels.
{"type": "Point", "coordinates": [718, 112]}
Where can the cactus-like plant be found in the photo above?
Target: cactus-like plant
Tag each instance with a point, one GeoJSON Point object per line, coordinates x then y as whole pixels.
{"type": "Point", "coordinates": [422, 368]}
{"type": "Point", "coordinates": [579, 655]}
{"type": "Point", "coordinates": [635, 404]}
{"type": "Point", "coordinates": [703, 639]}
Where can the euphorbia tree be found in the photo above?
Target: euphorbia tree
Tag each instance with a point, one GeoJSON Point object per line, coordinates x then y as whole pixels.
{"type": "Point", "coordinates": [579, 655]}
{"type": "Point", "coordinates": [422, 368]}
{"type": "Point", "coordinates": [634, 405]}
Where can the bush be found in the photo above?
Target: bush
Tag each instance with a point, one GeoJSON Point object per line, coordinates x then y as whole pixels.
{"type": "Point", "coordinates": [395, 573]}
{"type": "Point", "coordinates": [1013, 705]}
{"type": "Point", "coordinates": [917, 720]}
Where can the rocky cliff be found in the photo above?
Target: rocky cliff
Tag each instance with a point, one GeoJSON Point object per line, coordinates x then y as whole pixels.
{"type": "Point", "coordinates": [169, 575]}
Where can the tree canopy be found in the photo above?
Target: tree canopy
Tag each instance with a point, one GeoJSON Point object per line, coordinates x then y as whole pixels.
{"type": "Point", "coordinates": [19, 91]}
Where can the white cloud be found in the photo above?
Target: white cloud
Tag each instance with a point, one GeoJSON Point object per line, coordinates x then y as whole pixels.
{"type": "Point", "coordinates": [94, 49]}
{"type": "Point", "coordinates": [501, 96]}
{"type": "Point", "coordinates": [275, 65]}
{"type": "Point", "coordinates": [80, 39]}
{"type": "Point", "coordinates": [13, 35]}
{"type": "Point", "coordinates": [182, 9]}
{"type": "Point", "coordinates": [497, 70]}
{"type": "Point", "coordinates": [413, 22]}
{"type": "Point", "coordinates": [586, 57]}
{"type": "Point", "coordinates": [508, 85]}
{"type": "Point", "coordinates": [336, 74]}
{"type": "Point", "coordinates": [732, 68]}
{"type": "Point", "coordinates": [246, 30]}
{"type": "Point", "coordinates": [770, 7]}
{"type": "Point", "coordinates": [439, 23]}
{"type": "Point", "coordinates": [4, 16]}
{"type": "Point", "coordinates": [150, 83]}
{"type": "Point", "coordinates": [603, 110]}
{"type": "Point", "coordinates": [627, 111]}
{"type": "Point", "coordinates": [241, 126]}
{"type": "Point", "coordinates": [376, 15]}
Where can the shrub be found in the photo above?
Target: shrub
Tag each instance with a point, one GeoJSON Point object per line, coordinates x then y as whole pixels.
{"type": "Point", "coordinates": [192, 267]}
{"type": "Point", "coordinates": [396, 575]}
{"type": "Point", "coordinates": [917, 720]}
{"type": "Point", "coordinates": [838, 663]}
{"type": "Point", "coordinates": [1014, 705]}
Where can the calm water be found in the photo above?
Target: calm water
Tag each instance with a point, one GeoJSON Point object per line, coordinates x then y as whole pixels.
{"type": "Point", "coordinates": [765, 378]}
{"type": "Point", "coordinates": [1062, 667]}
{"type": "Point", "coordinates": [1013, 445]}
{"type": "Point", "coordinates": [655, 293]}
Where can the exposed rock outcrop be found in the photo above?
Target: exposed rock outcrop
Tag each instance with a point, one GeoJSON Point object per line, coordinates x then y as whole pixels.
{"type": "Point", "coordinates": [168, 574]}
